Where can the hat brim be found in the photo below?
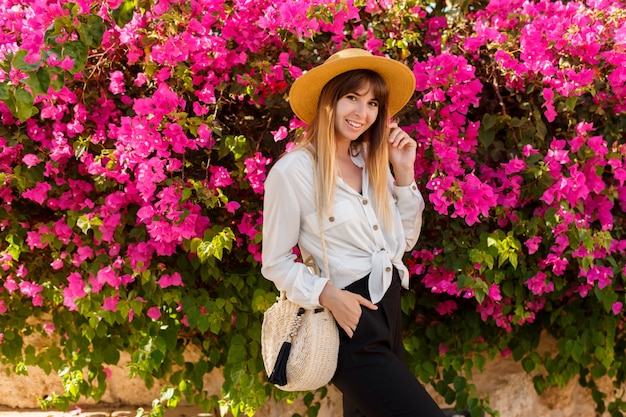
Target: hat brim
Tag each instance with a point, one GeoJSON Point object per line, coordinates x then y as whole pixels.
{"type": "Point", "coordinates": [305, 91]}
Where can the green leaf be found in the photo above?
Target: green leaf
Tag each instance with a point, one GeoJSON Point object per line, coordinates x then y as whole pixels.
{"type": "Point", "coordinates": [78, 51]}
{"type": "Point", "coordinates": [19, 62]}
{"type": "Point", "coordinates": [488, 122]}
{"type": "Point", "coordinates": [124, 14]}
{"type": "Point", "coordinates": [480, 361]}
{"type": "Point", "coordinates": [460, 383]}
{"type": "Point", "coordinates": [237, 145]}
{"type": "Point", "coordinates": [215, 247]}
{"type": "Point", "coordinates": [598, 371]}
{"type": "Point", "coordinates": [577, 351]}
{"type": "Point", "coordinates": [24, 104]}
{"type": "Point", "coordinates": [92, 31]}
{"type": "Point", "coordinates": [570, 102]}
{"type": "Point", "coordinates": [4, 91]}
{"type": "Point", "coordinates": [528, 364]}
{"type": "Point", "coordinates": [429, 368]}
{"type": "Point", "coordinates": [111, 354]}
{"type": "Point", "coordinates": [38, 81]}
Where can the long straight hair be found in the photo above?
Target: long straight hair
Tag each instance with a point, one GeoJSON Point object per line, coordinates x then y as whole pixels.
{"type": "Point", "coordinates": [372, 143]}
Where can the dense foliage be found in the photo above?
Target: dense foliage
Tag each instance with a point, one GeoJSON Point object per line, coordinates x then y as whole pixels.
{"type": "Point", "coordinates": [136, 136]}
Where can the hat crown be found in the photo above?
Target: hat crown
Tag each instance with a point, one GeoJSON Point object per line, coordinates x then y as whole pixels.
{"type": "Point", "coordinates": [348, 53]}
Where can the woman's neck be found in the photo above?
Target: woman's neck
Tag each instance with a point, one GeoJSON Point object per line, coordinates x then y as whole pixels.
{"type": "Point", "coordinates": [343, 150]}
{"type": "Point", "coordinates": [350, 173]}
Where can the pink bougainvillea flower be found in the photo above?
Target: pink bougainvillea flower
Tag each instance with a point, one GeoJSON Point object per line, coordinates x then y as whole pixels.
{"type": "Point", "coordinates": [248, 226]}
{"type": "Point", "coordinates": [48, 328]}
{"type": "Point", "coordinates": [30, 289]}
{"type": "Point", "coordinates": [116, 86]}
{"type": "Point", "coordinates": [140, 79]}
{"type": "Point", "coordinates": [602, 275]}
{"type": "Point", "coordinates": [440, 280]}
{"type": "Point", "coordinates": [220, 177]}
{"type": "Point", "coordinates": [446, 307]}
{"type": "Point", "coordinates": [140, 255]}
{"type": "Point", "coordinates": [110, 303]}
{"type": "Point", "coordinates": [494, 292]}
{"type": "Point", "coordinates": [3, 307]}
{"type": "Point", "coordinates": [539, 285]}
{"type": "Point", "coordinates": [528, 150]}
{"type": "Point", "coordinates": [617, 307]}
{"type": "Point", "coordinates": [558, 263]}
{"type": "Point", "coordinates": [255, 171]}
{"type": "Point", "coordinates": [75, 289]}
{"type": "Point", "coordinates": [66, 63]}
{"type": "Point", "coordinates": [21, 271]}
{"type": "Point", "coordinates": [548, 96]}
{"type": "Point", "coordinates": [82, 254]}
{"type": "Point", "coordinates": [31, 160]}
{"type": "Point", "coordinates": [39, 193]}
{"type": "Point", "coordinates": [154, 313]}
{"type": "Point", "coordinates": [174, 280]}
{"type": "Point", "coordinates": [10, 285]}
{"type": "Point", "coordinates": [533, 244]}
{"type": "Point", "coordinates": [514, 166]}
{"type": "Point", "coordinates": [205, 137]}
{"type": "Point", "coordinates": [280, 134]}
{"type": "Point", "coordinates": [232, 206]}
{"type": "Point", "coordinates": [478, 199]}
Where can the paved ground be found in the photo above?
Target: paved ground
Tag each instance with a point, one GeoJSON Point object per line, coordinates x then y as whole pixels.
{"type": "Point", "coordinates": [180, 411]}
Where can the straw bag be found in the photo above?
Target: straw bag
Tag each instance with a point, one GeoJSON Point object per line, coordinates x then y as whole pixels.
{"type": "Point", "coordinates": [300, 346]}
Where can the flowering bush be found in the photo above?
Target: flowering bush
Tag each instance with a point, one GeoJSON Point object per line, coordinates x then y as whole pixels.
{"type": "Point", "coordinates": [135, 140]}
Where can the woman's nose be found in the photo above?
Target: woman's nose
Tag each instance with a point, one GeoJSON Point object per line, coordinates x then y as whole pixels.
{"type": "Point", "coordinates": [359, 109]}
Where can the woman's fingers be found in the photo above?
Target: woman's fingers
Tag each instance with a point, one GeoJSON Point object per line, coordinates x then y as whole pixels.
{"type": "Point", "coordinates": [351, 315]}
{"type": "Point", "coordinates": [345, 307]}
{"type": "Point", "coordinates": [367, 303]}
{"type": "Point", "coordinates": [399, 138]}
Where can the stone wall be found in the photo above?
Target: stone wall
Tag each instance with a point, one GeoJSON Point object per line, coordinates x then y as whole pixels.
{"type": "Point", "coordinates": [507, 385]}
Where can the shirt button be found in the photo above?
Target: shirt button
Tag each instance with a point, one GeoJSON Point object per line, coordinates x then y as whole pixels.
{"type": "Point", "coordinates": [375, 227]}
{"type": "Point", "coordinates": [364, 202]}
{"type": "Point", "coordinates": [388, 269]}
{"type": "Point", "coordinates": [414, 188]}
{"type": "Point", "coordinates": [331, 219]}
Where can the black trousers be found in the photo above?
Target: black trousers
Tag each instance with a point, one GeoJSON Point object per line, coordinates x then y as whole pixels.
{"type": "Point", "coordinates": [371, 372]}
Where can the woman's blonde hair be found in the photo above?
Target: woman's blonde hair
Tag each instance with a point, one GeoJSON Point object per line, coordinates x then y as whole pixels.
{"type": "Point", "coordinates": [320, 135]}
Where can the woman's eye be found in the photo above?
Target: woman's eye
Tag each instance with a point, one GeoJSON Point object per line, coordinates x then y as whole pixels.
{"type": "Point", "coordinates": [374, 104]}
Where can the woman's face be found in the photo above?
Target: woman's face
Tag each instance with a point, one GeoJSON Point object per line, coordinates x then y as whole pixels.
{"type": "Point", "coordinates": [355, 113]}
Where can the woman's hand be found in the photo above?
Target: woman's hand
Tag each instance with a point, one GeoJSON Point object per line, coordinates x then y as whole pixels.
{"type": "Point", "coordinates": [402, 152]}
{"type": "Point", "coordinates": [345, 306]}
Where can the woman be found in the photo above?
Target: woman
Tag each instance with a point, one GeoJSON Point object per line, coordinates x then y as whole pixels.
{"type": "Point", "coordinates": [369, 218]}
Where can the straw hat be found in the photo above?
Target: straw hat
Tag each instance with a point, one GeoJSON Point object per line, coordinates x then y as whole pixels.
{"type": "Point", "coordinates": [305, 91]}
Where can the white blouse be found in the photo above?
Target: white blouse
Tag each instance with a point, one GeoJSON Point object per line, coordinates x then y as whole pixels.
{"type": "Point", "coordinates": [356, 243]}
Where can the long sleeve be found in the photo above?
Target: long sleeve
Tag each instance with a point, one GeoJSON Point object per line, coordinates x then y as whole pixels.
{"type": "Point", "coordinates": [282, 216]}
{"type": "Point", "coordinates": [411, 206]}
